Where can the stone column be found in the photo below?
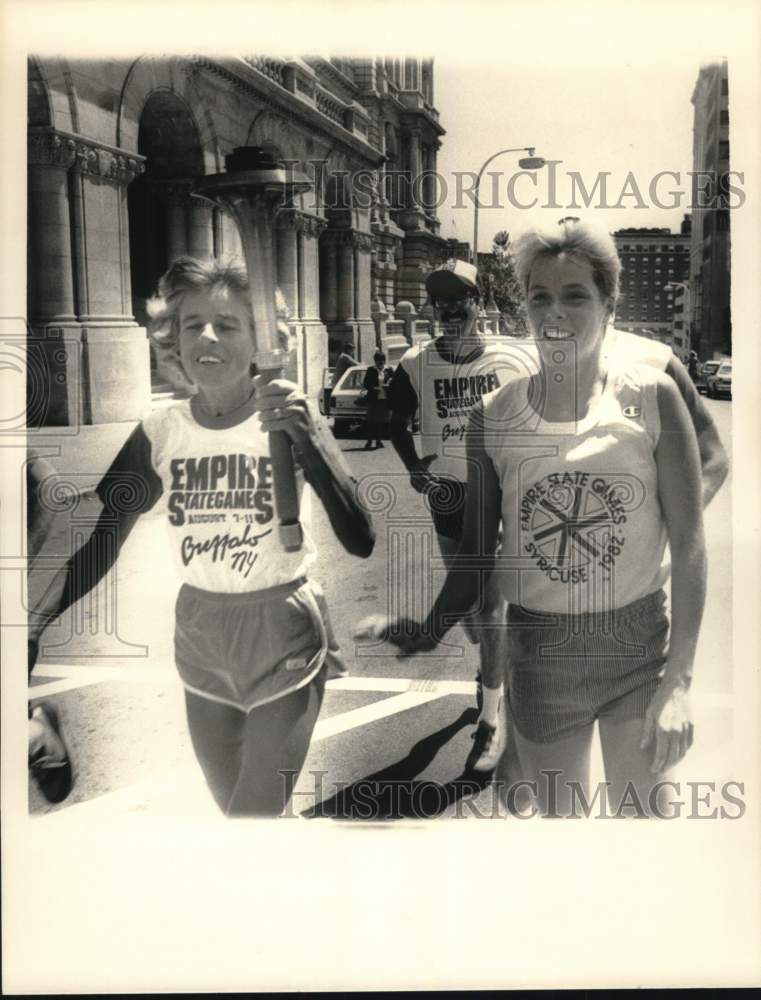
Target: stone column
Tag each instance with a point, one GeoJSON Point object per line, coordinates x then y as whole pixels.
{"type": "Point", "coordinates": [178, 205]}
{"type": "Point", "coordinates": [416, 167]}
{"type": "Point", "coordinates": [286, 260]}
{"type": "Point", "coordinates": [51, 281]}
{"type": "Point", "coordinates": [79, 256]}
{"type": "Point", "coordinates": [55, 350]}
{"type": "Point", "coordinates": [314, 344]}
{"type": "Point", "coordinates": [298, 277]}
{"type": "Point", "coordinates": [118, 360]}
{"type": "Point", "coordinates": [229, 237]}
{"type": "Point", "coordinates": [328, 278]}
{"type": "Point", "coordinates": [345, 275]}
{"type": "Point", "coordinates": [352, 320]}
{"type": "Point", "coordinates": [200, 229]}
{"type": "Point", "coordinates": [309, 266]}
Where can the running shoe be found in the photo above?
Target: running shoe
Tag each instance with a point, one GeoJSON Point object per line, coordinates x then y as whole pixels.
{"type": "Point", "coordinates": [488, 746]}
{"type": "Point", "coordinates": [49, 762]}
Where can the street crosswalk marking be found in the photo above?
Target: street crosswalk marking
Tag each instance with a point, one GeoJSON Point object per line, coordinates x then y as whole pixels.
{"type": "Point", "coordinates": [181, 790]}
{"type": "Point", "coordinates": [69, 676]}
{"type": "Point", "coordinates": [344, 721]}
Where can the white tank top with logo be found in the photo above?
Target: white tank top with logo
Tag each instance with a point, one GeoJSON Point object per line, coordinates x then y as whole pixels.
{"type": "Point", "coordinates": [219, 503]}
{"type": "Point", "coordinates": [583, 529]}
{"type": "Point", "coordinates": [447, 391]}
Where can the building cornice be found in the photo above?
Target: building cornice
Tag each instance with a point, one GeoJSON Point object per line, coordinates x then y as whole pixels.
{"type": "Point", "coordinates": [50, 146]}
{"type": "Point", "coordinates": [304, 222]}
{"type": "Point", "coordinates": [351, 237]}
{"type": "Point", "coordinates": [291, 105]}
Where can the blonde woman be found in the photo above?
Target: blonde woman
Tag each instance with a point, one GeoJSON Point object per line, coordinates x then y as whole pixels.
{"type": "Point", "coordinates": [253, 643]}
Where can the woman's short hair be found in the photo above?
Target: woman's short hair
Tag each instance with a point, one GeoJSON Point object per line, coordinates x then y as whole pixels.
{"type": "Point", "coordinates": [574, 238]}
{"type": "Point", "coordinates": [189, 274]}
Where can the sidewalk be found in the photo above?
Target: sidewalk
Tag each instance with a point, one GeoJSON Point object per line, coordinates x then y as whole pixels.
{"type": "Point", "coordinates": [82, 456]}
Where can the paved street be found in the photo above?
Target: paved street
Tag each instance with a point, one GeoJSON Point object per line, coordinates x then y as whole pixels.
{"type": "Point", "coordinates": [109, 669]}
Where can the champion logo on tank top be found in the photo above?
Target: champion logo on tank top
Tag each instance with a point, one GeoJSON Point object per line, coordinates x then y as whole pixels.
{"type": "Point", "coordinates": [572, 521]}
{"type": "Point", "coordinates": [632, 411]}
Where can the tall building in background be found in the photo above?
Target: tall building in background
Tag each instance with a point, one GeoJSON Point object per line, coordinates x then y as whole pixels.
{"type": "Point", "coordinates": [710, 246]}
{"type": "Point", "coordinates": [113, 149]}
{"type": "Point", "coordinates": [654, 264]}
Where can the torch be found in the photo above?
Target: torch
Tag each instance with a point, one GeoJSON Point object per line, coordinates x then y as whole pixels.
{"type": "Point", "coordinates": [252, 189]}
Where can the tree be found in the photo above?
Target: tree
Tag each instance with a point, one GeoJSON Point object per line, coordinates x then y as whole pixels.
{"type": "Point", "coordinates": [498, 266]}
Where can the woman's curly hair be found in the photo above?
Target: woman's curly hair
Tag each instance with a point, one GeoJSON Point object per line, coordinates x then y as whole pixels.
{"type": "Point", "coordinates": [574, 238]}
{"type": "Point", "coordinates": [189, 274]}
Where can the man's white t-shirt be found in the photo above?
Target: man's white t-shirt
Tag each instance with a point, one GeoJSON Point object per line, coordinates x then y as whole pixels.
{"type": "Point", "coordinates": [448, 390]}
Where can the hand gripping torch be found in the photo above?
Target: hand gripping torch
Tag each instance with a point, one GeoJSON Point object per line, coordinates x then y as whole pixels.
{"type": "Point", "coordinates": [252, 189]}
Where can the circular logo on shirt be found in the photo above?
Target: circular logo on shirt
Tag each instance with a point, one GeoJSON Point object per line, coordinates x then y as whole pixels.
{"type": "Point", "coordinates": [571, 522]}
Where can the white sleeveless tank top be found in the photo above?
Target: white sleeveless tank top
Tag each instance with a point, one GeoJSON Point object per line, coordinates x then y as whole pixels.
{"type": "Point", "coordinates": [219, 503]}
{"type": "Point", "coordinates": [582, 524]}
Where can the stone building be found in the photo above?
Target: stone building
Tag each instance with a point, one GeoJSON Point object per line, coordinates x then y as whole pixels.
{"type": "Point", "coordinates": [654, 265]}
{"type": "Point", "coordinates": [710, 251]}
{"type": "Point", "coordinates": [114, 147]}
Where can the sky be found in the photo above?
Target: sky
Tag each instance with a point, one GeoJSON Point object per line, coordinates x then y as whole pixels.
{"type": "Point", "coordinates": [632, 123]}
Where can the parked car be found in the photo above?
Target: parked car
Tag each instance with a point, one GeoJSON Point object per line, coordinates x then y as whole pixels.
{"type": "Point", "coordinates": [343, 400]}
{"type": "Point", "coordinates": [707, 369]}
{"type": "Point", "coordinates": [720, 382]}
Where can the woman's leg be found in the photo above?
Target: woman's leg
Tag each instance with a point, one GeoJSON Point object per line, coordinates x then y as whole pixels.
{"type": "Point", "coordinates": [216, 732]}
{"type": "Point", "coordinates": [632, 789]}
{"type": "Point", "coordinates": [275, 744]}
{"type": "Point", "coordinates": [559, 770]}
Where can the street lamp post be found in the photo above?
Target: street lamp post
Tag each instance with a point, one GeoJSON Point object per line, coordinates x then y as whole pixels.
{"type": "Point", "coordinates": [529, 162]}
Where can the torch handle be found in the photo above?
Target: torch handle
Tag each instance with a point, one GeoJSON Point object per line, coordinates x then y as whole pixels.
{"type": "Point", "coordinates": [255, 222]}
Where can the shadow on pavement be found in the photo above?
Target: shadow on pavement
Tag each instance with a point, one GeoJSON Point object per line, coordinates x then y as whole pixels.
{"type": "Point", "coordinates": [394, 792]}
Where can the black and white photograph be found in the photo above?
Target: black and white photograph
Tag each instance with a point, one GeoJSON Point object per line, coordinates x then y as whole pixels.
{"type": "Point", "coordinates": [379, 485]}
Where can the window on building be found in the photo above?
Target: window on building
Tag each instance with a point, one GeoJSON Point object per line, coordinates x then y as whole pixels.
{"type": "Point", "coordinates": [724, 86]}
{"type": "Point", "coordinates": [724, 149]}
{"type": "Point", "coordinates": [722, 220]}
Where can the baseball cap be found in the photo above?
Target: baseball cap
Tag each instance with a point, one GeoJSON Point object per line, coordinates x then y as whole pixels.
{"type": "Point", "coordinates": [452, 279]}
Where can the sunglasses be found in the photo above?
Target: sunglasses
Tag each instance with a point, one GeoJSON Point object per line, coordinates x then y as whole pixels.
{"type": "Point", "coordinates": [452, 302]}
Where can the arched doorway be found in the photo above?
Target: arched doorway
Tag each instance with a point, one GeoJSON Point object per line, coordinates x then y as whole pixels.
{"type": "Point", "coordinates": [164, 221]}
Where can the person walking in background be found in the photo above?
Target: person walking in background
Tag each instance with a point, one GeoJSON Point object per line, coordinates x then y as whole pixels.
{"type": "Point", "coordinates": [375, 386]}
